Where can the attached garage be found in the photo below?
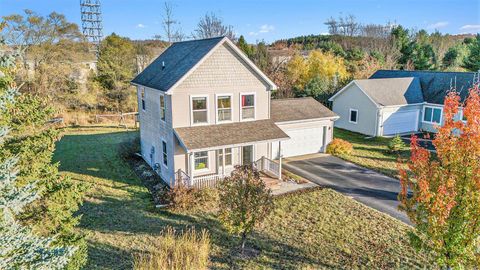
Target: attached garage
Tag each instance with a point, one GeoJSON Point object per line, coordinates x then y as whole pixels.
{"type": "Point", "coordinates": [308, 123]}
{"type": "Point", "coordinates": [397, 122]}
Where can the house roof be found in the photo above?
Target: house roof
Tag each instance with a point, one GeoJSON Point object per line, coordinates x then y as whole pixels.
{"type": "Point", "coordinates": [178, 60]}
{"type": "Point", "coordinates": [292, 109]}
{"type": "Point", "coordinates": [394, 91]}
{"type": "Point", "coordinates": [232, 134]}
{"type": "Point", "coordinates": [434, 84]}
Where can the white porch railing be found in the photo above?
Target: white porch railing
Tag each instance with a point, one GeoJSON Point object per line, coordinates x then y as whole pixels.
{"type": "Point", "coordinates": [268, 166]}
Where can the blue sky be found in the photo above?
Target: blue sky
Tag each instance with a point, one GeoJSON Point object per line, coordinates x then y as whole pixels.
{"type": "Point", "coordinates": [266, 19]}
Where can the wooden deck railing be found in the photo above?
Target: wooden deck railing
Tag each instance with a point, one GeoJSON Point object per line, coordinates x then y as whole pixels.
{"type": "Point", "coordinates": [267, 166]}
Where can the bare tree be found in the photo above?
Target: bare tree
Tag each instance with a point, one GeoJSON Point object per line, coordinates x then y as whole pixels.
{"type": "Point", "coordinates": [212, 26]}
{"type": "Point", "coordinates": [171, 27]}
{"type": "Point", "coordinates": [332, 26]}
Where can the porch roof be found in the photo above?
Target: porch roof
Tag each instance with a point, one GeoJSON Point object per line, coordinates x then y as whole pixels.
{"type": "Point", "coordinates": [229, 135]}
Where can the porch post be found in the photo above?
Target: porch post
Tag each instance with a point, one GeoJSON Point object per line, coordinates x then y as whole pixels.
{"type": "Point", "coordinates": [191, 164]}
{"type": "Point", "coordinates": [223, 162]}
{"type": "Point", "coordinates": [280, 160]}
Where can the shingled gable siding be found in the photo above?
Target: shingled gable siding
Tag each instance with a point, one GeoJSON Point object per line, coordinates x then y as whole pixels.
{"type": "Point", "coordinates": [153, 130]}
{"type": "Point", "coordinates": [354, 98]}
{"type": "Point", "coordinates": [223, 72]}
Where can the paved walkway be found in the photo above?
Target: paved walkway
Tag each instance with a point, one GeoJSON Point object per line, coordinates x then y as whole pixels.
{"type": "Point", "coordinates": [368, 187]}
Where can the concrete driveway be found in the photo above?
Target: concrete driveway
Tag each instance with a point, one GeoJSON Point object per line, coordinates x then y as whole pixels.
{"type": "Point", "coordinates": [368, 187]}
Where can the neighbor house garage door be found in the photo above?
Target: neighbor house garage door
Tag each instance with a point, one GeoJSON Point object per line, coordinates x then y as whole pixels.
{"type": "Point", "coordinates": [303, 140]}
{"type": "Point", "coordinates": [400, 122]}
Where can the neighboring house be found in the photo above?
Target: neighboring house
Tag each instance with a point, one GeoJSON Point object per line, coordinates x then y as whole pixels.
{"type": "Point", "coordinates": [396, 101]}
{"type": "Point", "coordinates": [204, 107]}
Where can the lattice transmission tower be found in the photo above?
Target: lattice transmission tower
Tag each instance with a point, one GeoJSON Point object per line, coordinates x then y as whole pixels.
{"type": "Point", "coordinates": [92, 22]}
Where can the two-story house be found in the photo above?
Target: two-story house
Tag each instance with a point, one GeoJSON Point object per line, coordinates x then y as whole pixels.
{"type": "Point", "coordinates": [204, 107]}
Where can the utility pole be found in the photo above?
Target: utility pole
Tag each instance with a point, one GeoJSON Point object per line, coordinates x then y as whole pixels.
{"type": "Point", "coordinates": [92, 22]}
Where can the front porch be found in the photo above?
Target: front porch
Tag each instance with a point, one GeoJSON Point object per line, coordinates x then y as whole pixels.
{"type": "Point", "coordinates": [210, 153]}
{"type": "Point", "coordinates": [199, 176]}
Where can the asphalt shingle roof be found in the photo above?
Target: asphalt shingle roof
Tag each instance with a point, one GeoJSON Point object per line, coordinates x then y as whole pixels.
{"type": "Point", "coordinates": [434, 84]}
{"type": "Point", "coordinates": [291, 109]}
{"type": "Point", "coordinates": [394, 91]}
{"type": "Point", "coordinates": [179, 58]}
{"type": "Point", "coordinates": [204, 137]}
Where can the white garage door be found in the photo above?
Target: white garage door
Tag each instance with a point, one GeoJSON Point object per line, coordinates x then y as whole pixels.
{"type": "Point", "coordinates": [302, 141]}
{"type": "Point", "coordinates": [400, 122]}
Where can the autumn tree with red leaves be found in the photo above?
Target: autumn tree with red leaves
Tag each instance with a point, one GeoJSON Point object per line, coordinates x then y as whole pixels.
{"type": "Point", "coordinates": [441, 193]}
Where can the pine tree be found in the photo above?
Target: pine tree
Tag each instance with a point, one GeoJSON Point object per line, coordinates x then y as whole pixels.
{"type": "Point", "coordinates": [20, 248]}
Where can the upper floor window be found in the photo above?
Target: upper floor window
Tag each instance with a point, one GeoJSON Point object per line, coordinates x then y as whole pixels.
{"type": "Point", "coordinates": [353, 118]}
{"type": "Point", "coordinates": [432, 115]}
{"type": "Point", "coordinates": [224, 108]}
{"type": "Point", "coordinates": [164, 153]}
{"type": "Point", "coordinates": [248, 106]}
{"type": "Point", "coordinates": [162, 107]}
{"type": "Point", "coordinates": [199, 110]}
{"type": "Point", "coordinates": [142, 94]}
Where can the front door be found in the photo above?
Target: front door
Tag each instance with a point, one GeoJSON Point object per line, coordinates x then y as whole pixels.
{"type": "Point", "coordinates": [247, 155]}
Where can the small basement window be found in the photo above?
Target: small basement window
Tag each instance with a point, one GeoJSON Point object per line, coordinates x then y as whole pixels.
{"type": "Point", "coordinates": [432, 115]}
{"type": "Point", "coordinates": [353, 116]}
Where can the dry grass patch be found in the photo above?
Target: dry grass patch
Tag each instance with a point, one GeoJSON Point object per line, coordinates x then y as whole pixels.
{"type": "Point", "coordinates": [187, 250]}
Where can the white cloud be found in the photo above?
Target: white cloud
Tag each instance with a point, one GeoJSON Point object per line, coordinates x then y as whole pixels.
{"type": "Point", "coordinates": [470, 28]}
{"type": "Point", "coordinates": [141, 25]}
{"type": "Point", "coordinates": [266, 28]}
{"type": "Point", "coordinates": [437, 25]}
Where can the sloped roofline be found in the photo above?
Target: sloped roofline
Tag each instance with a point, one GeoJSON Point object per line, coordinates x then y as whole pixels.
{"type": "Point", "coordinates": [359, 87]}
{"type": "Point", "coordinates": [237, 51]}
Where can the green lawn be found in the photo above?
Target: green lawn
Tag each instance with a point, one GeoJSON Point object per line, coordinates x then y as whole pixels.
{"type": "Point", "coordinates": [372, 153]}
{"type": "Point", "coordinates": [316, 229]}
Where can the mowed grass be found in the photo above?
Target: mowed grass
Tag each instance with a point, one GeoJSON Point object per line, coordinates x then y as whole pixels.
{"type": "Point", "coordinates": [372, 153]}
{"type": "Point", "coordinates": [316, 229]}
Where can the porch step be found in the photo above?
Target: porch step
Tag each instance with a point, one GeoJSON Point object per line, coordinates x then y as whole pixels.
{"type": "Point", "coordinates": [270, 182]}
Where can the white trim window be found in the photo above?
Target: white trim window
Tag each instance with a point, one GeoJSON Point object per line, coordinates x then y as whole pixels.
{"type": "Point", "coordinates": [432, 115]}
{"type": "Point", "coordinates": [224, 108]}
{"type": "Point", "coordinates": [162, 107]}
{"type": "Point", "coordinates": [228, 157]}
{"type": "Point", "coordinates": [199, 110]}
{"type": "Point", "coordinates": [353, 116]}
{"type": "Point", "coordinates": [462, 116]}
{"type": "Point", "coordinates": [201, 160]}
{"type": "Point", "coordinates": [142, 96]}
{"type": "Point", "coordinates": [247, 106]}
{"type": "Point", "coordinates": [164, 153]}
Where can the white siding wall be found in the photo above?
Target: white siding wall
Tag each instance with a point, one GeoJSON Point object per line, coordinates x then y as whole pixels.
{"type": "Point", "coordinates": [354, 98]}
{"type": "Point", "coordinates": [153, 130]}
{"type": "Point", "coordinates": [399, 109]}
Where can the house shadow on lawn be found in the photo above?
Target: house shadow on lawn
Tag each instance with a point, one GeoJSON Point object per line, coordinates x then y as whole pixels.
{"type": "Point", "coordinates": [96, 155]}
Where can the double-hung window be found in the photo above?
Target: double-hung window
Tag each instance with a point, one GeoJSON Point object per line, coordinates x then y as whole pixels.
{"type": "Point", "coordinates": [164, 153]}
{"type": "Point", "coordinates": [201, 160]}
{"type": "Point", "coordinates": [199, 110]}
{"type": "Point", "coordinates": [432, 115]}
{"type": "Point", "coordinates": [228, 157]}
{"type": "Point", "coordinates": [142, 95]}
{"type": "Point", "coordinates": [162, 107]}
{"type": "Point", "coordinates": [224, 108]}
{"type": "Point", "coordinates": [248, 106]}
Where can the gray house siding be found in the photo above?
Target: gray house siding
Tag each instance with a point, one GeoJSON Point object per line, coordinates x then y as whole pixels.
{"type": "Point", "coordinates": [153, 131]}
{"type": "Point", "coordinates": [354, 98]}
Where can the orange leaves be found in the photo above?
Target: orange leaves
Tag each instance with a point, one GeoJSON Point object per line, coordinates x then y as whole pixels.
{"type": "Point", "coordinates": [445, 188]}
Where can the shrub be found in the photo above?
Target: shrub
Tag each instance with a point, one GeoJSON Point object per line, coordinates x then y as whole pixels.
{"type": "Point", "coordinates": [245, 202]}
{"type": "Point", "coordinates": [184, 198]}
{"type": "Point", "coordinates": [188, 250]}
{"type": "Point", "coordinates": [339, 147]}
{"type": "Point", "coordinates": [396, 144]}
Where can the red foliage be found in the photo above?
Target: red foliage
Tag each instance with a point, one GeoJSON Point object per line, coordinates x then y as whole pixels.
{"type": "Point", "coordinates": [445, 189]}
